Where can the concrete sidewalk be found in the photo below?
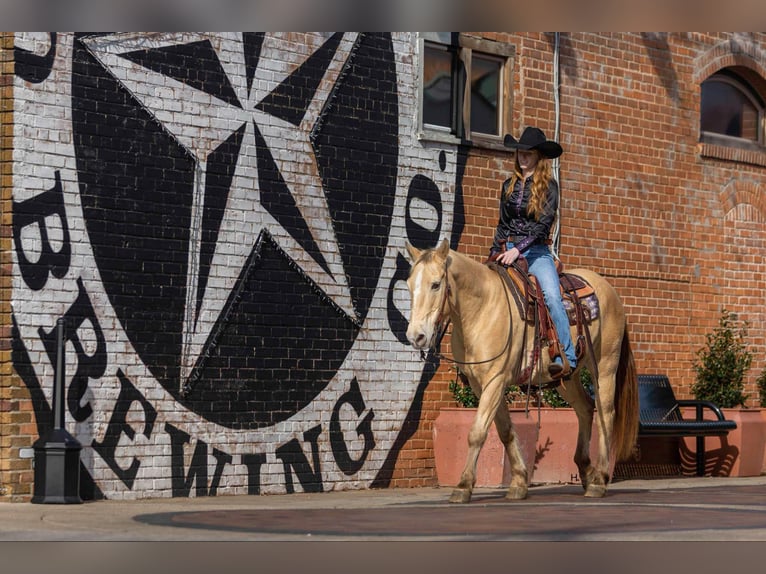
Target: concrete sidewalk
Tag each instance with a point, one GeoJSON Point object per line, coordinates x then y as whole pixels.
{"type": "Point", "coordinates": [683, 509]}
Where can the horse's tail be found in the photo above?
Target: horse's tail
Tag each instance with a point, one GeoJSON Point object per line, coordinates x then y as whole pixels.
{"type": "Point", "coordinates": [626, 402]}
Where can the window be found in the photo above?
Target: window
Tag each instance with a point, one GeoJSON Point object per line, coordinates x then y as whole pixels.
{"type": "Point", "coordinates": [731, 111]}
{"type": "Point", "coordinates": [439, 86]}
{"type": "Point", "coordinates": [465, 91]}
{"type": "Point", "coordinates": [486, 73]}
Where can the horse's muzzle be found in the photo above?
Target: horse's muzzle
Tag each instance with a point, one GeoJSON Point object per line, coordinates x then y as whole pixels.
{"type": "Point", "coordinates": [420, 338]}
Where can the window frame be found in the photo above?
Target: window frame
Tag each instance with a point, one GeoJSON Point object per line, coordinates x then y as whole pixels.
{"type": "Point", "coordinates": [447, 131]}
{"type": "Point", "coordinates": [741, 83]}
{"type": "Point", "coordinates": [460, 131]}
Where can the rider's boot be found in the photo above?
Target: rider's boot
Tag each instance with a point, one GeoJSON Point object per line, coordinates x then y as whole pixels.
{"type": "Point", "coordinates": [560, 367]}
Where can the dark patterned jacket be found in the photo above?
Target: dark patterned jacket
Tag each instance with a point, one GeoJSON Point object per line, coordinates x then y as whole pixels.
{"type": "Point", "coordinates": [515, 225]}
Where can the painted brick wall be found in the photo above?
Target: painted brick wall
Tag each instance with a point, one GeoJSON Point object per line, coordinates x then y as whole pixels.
{"type": "Point", "coordinates": [221, 221]}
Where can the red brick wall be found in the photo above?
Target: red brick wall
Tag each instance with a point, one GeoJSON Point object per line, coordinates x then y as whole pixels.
{"type": "Point", "coordinates": [11, 397]}
{"type": "Point", "coordinates": [676, 226]}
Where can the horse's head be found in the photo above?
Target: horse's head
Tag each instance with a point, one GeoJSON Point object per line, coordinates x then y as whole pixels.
{"type": "Point", "coordinates": [428, 292]}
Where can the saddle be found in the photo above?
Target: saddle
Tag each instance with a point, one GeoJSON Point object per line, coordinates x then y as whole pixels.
{"type": "Point", "coordinates": [580, 303]}
{"type": "Point", "coordinates": [575, 291]}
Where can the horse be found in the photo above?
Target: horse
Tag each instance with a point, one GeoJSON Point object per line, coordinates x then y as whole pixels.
{"type": "Point", "coordinates": [488, 343]}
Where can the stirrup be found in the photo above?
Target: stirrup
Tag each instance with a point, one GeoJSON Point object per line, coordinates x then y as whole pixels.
{"type": "Point", "coordinates": [560, 371]}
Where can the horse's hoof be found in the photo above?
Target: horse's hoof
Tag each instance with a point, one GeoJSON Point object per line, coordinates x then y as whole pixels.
{"type": "Point", "coordinates": [460, 496]}
{"type": "Point", "coordinates": [516, 493]}
{"type": "Point", "coordinates": [595, 491]}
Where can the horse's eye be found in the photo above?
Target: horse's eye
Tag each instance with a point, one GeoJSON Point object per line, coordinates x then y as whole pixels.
{"type": "Point", "coordinates": [435, 285]}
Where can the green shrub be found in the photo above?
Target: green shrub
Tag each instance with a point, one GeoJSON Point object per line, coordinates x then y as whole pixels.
{"type": "Point", "coordinates": [552, 398]}
{"type": "Point", "coordinates": [465, 397]}
{"type": "Point", "coordinates": [761, 384]}
{"type": "Point", "coordinates": [721, 365]}
{"type": "Point", "coordinates": [462, 393]}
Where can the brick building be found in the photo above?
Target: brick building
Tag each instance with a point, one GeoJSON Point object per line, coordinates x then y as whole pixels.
{"type": "Point", "coordinates": [220, 220]}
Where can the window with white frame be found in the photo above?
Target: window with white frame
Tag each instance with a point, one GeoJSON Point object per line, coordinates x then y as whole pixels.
{"type": "Point", "coordinates": [466, 88]}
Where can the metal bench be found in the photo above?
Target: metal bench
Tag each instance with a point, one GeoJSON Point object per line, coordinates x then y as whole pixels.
{"type": "Point", "coordinates": [661, 415]}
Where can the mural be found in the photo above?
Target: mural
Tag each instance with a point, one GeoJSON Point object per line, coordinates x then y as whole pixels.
{"type": "Point", "coordinates": [220, 218]}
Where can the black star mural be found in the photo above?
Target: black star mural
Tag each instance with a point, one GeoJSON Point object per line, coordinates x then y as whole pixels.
{"type": "Point", "coordinates": [238, 213]}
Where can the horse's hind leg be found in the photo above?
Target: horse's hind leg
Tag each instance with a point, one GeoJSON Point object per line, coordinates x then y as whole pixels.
{"type": "Point", "coordinates": [605, 415]}
{"type": "Point", "coordinates": [583, 405]}
{"type": "Point", "coordinates": [517, 489]}
{"type": "Point", "coordinates": [598, 477]}
{"type": "Point", "coordinates": [594, 478]}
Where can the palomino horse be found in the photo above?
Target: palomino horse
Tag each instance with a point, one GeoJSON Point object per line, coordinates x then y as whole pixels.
{"type": "Point", "coordinates": [488, 343]}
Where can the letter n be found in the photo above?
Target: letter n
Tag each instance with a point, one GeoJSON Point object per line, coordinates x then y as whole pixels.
{"type": "Point", "coordinates": [291, 454]}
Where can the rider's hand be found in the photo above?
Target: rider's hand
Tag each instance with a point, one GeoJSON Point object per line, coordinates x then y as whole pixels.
{"type": "Point", "coordinates": [508, 257]}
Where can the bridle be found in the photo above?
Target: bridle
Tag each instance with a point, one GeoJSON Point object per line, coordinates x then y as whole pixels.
{"type": "Point", "coordinates": [442, 319]}
{"type": "Point", "coordinates": [443, 324]}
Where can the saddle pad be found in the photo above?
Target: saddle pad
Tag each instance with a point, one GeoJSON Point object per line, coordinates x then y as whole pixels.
{"type": "Point", "coordinates": [590, 308]}
{"type": "Point", "coordinates": [523, 293]}
{"type": "Point", "coordinates": [583, 292]}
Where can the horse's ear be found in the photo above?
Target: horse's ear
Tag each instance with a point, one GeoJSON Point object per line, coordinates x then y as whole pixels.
{"type": "Point", "coordinates": [443, 249]}
{"type": "Point", "coordinates": [412, 251]}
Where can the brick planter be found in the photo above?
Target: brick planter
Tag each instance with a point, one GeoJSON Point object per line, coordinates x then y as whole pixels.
{"type": "Point", "coordinates": [548, 452]}
{"type": "Point", "coordinates": [556, 442]}
{"type": "Point", "coordinates": [450, 433]}
{"type": "Point", "coordinates": [740, 453]}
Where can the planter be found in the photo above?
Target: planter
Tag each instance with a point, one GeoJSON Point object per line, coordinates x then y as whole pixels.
{"type": "Point", "coordinates": [556, 442]}
{"type": "Point", "coordinates": [450, 434]}
{"type": "Point", "coordinates": [740, 453]}
{"type": "Point", "coordinates": [763, 416]}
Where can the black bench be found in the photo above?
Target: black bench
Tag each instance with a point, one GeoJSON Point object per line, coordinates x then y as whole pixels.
{"type": "Point", "coordinates": [660, 415]}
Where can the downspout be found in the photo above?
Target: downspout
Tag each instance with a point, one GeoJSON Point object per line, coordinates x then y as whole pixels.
{"type": "Point", "coordinates": [556, 135]}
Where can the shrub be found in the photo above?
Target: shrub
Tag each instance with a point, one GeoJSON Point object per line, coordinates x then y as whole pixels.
{"type": "Point", "coordinates": [462, 393]}
{"type": "Point", "coordinates": [761, 384]}
{"type": "Point", "coordinates": [552, 398]}
{"type": "Point", "coordinates": [721, 365]}
{"type": "Point", "coordinates": [465, 397]}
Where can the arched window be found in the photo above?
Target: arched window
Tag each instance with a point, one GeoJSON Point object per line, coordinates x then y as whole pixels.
{"type": "Point", "coordinates": [731, 111]}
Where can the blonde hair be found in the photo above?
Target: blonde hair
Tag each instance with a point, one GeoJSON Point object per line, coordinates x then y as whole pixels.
{"type": "Point", "coordinates": [540, 180]}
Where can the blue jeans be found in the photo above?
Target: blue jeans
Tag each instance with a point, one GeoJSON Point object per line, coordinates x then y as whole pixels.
{"type": "Point", "coordinates": [542, 266]}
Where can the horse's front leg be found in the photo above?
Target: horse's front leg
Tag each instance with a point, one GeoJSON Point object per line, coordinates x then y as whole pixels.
{"type": "Point", "coordinates": [488, 405]}
{"type": "Point", "coordinates": [518, 487]}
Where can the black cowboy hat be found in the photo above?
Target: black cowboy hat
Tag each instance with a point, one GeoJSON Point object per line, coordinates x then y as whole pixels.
{"type": "Point", "coordinates": [534, 138]}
